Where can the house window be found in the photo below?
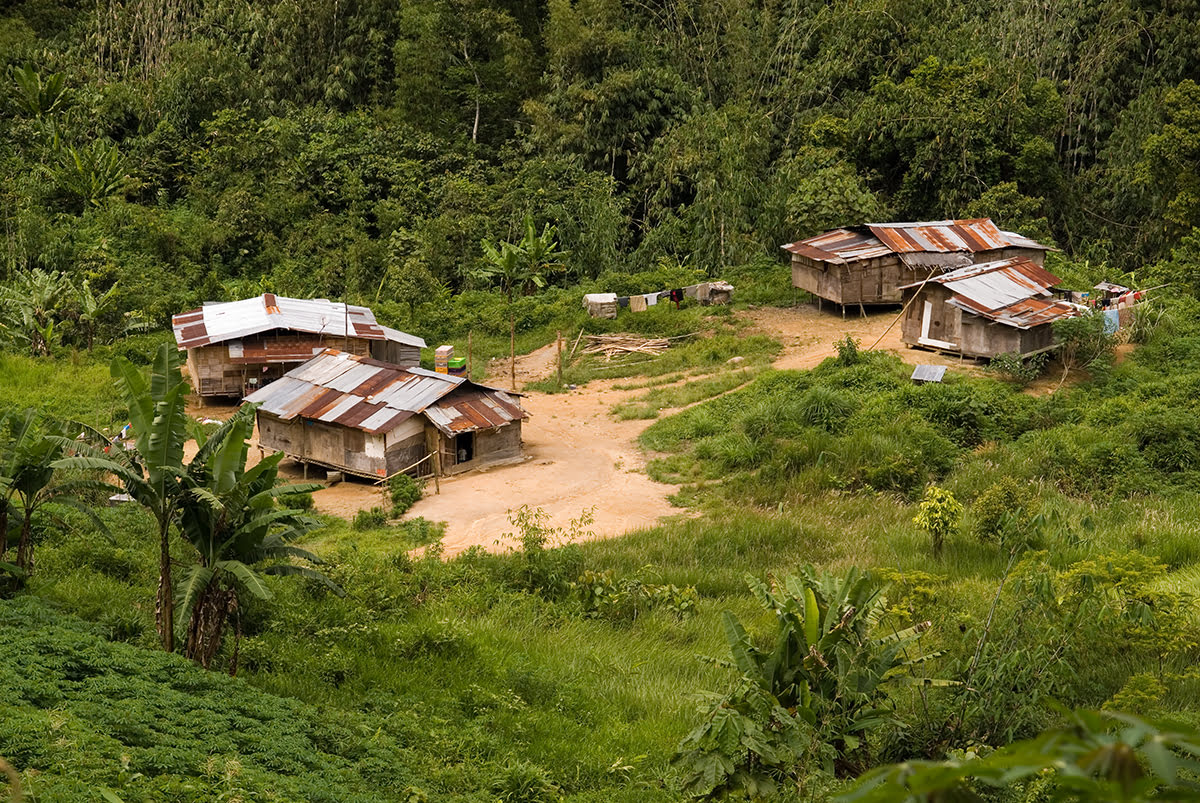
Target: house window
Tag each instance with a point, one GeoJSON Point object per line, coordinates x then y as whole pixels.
{"type": "Point", "coordinates": [464, 447]}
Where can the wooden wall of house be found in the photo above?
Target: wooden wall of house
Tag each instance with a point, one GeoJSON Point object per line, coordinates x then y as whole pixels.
{"type": "Point", "coordinates": [969, 334]}
{"type": "Point", "coordinates": [1037, 338]}
{"type": "Point", "coordinates": [867, 281]}
{"type": "Point", "coordinates": [396, 353]}
{"type": "Point", "coordinates": [945, 322]}
{"type": "Point", "coordinates": [331, 445]}
{"type": "Point", "coordinates": [216, 372]}
{"type": "Point", "coordinates": [406, 444]}
{"type": "Point", "coordinates": [490, 446]}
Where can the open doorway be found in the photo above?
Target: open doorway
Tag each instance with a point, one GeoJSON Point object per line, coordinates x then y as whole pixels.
{"type": "Point", "coordinates": [464, 447]}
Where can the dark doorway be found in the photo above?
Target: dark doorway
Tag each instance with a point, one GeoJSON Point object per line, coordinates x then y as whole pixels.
{"type": "Point", "coordinates": [464, 447]}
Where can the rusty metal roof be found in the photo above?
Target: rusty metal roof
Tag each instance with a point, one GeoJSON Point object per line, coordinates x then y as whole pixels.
{"type": "Point", "coordinates": [1014, 292]}
{"type": "Point", "coordinates": [375, 396]}
{"type": "Point", "coordinates": [881, 239]}
{"type": "Point", "coordinates": [219, 322]}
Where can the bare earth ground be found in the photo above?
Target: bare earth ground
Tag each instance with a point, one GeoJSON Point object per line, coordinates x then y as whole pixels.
{"type": "Point", "coordinates": [578, 456]}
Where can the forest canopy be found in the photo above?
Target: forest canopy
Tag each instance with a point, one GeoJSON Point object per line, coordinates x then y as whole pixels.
{"type": "Point", "coordinates": [191, 150]}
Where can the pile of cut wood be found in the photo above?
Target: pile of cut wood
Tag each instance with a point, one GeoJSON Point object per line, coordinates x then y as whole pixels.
{"type": "Point", "coordinates": [616, 345]}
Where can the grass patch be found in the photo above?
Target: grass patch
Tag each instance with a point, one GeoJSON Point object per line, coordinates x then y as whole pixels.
{"type": "Point", "coordinates": [650, 404]}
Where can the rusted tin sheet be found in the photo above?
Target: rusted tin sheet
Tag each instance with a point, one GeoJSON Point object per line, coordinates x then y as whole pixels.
{"type": "Point", "coordinates": [374, 396]}
{"type": "Point", "coordinates": [219, 322]}
{"type": "Point", "coordinates": [1014, 292]}
{"type": "Point", "coordinates": [881, 239]}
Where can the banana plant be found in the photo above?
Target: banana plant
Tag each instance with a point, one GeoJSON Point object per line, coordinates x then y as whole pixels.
{"type": "Point", "coordinates": [91, 307]}
{"type": "Point", "coordinates": [229, 515]}
{"type": "Point", "coordinates": [29, 480]}
{"type": "Point", "coordinates": [810, 698]}
{"type": "Point", "coordinates": [152, 471]}
{"type": "Point", "coordinates": [30, 307]}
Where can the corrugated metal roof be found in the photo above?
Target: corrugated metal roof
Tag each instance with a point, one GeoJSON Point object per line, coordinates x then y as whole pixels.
{"type": "Point", "coordinates": [928, 373]}
{"type": "Point", "coordinates": [374, 396]}
{"type": "Point", "coordinates": [880, 239]}
{"type": "Point", "coordinates": [219, 322]}
{"type": "Point", "coordinates": [1014, 292]}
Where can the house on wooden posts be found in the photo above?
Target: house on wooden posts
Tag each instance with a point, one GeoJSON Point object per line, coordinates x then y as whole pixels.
{"type": "Point", "coordinates": [1001, 307]}
{"type": "Point", "coordinates": [235, 347]}
{"type": "Point", "coordinates": [869, 264]}
{"type": "Point", "coordinates": [376, 419]}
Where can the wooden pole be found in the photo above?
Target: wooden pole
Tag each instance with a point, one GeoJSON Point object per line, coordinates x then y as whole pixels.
{"type": "Point", "coordinates": [512, 348]}
{"type": "Point", "coordinates": [558, 344]}
{"type": "Point", "coordinates": [437, 470]}
{"type": "Point", "coordinates": [468, 354]}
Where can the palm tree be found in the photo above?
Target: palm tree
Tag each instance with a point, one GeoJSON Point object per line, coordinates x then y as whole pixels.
{"type": "Point", "coordinates": [229, 516]}
{"type": "Point", "coordinates": [151, 473]}
{"type": "Point", "coordinates": [518, 267]}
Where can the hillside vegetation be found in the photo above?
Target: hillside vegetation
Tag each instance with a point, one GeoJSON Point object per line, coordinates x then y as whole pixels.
{"type": "Point", "coordinates": [875, 580]}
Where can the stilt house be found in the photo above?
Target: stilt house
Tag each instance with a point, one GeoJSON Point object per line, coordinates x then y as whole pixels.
{"type": "Point", "coordinates": [375, 419]}
{"type": "Point", "coordinates": [869, 264]}
{"type": "Point", "coordinates": [235, 347]}
{"type": "Point", "coordinates": [1002, 307]}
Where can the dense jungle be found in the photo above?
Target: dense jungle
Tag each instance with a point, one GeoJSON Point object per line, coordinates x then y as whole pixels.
{"type": "Point", "coordinates": [983, 589]}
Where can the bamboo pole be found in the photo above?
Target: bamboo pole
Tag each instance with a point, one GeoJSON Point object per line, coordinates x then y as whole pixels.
{"type": "Point", "coordinates": [558, 346]}
{"type": "Point", "coordinates": [468, 354]}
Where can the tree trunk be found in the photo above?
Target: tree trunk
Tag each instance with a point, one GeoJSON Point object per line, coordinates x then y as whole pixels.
{"type": "Point", "coordinates": [237, 640]}
{"type": "Point", "coordinates": [3, 527]}
{"type": "Point", "coordinates": [512, 343]}
{"type": "Point", "coordinates": [207, 624]}
{"type": "Point", "coordinates": [164, 603]}
{"type": "Point", "coordinates": [24, 548]}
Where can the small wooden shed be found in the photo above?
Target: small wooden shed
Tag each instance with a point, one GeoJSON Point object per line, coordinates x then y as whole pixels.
{"type": "Point", "coordinates": [1002, 307]}
{"type": "Point", "coordinates": [375, 419]}
{"type": "Point", "coordinates": [869, 264]}
{"type": "Point", "coordinates": [237, 346]}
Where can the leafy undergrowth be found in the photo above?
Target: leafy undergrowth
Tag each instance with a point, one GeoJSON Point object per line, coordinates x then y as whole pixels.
{"type": "Point", "coordinates": [90, 714]}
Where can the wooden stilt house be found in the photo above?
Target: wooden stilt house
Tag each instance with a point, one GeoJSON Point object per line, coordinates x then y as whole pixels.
{"type": "Point", "coordinates": [375, 419]}
{"type": "Point", "coordinates": [236, 347]}
{"type": "Point", "coordinates": [1002, 307]}
{"type": "Point", "coordinates": [869, 264]}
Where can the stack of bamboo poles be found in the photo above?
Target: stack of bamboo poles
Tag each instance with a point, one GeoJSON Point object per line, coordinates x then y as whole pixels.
{"type": "Point", "coordinates": [616, 345]}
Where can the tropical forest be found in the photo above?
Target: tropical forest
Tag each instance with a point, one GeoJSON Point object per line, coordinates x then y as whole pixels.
{"type": "Point", "coordinates": [737, 549]}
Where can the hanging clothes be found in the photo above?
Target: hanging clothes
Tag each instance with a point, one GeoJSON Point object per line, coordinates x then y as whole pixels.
{"type": "Point", "coordinates": [651, 299]}
{"type": "Point", "coordinates": [623, 302]}
{"type": "Point", "coordinates": [637, 303]}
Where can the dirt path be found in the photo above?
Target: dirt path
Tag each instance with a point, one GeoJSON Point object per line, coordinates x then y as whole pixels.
{"type": "Point", "coordinates": [808, 336]}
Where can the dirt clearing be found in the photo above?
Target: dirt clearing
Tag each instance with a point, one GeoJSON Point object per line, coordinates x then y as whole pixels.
{"type": "Point", "coordinates": [578, 457]}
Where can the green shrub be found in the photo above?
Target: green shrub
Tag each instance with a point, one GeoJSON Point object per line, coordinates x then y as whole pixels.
{"type": "Point", "coordinates": [939, 515]}
{"type": "Point", "coordinates": [1004, 508]}
{"type": "Point", "coordinates": [1018, 369]}
{"type": "Point", "coordinates": [372, 519]}
{"type": "Point", "coordinates": [847, 351]}
{"type": "Point", "coordinates": [404, 492]}
{"type": "Point", "coordinates": [603, 596]}
{"type": "Point", "coordinates": [523, 782]}
{"type": "Point", "coordinates": [296, 501]}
